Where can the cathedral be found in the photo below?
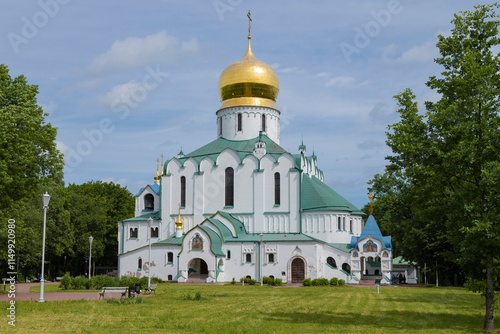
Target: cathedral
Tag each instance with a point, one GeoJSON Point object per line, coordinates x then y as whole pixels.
{"type": "Point", "coordinates": [242, 206]}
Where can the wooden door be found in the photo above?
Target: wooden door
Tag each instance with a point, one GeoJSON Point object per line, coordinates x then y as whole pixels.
{"type": "Point", "coordinates": [298, 271]}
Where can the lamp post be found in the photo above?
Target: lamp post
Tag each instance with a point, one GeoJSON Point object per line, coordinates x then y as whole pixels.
{"type": "Point", "coordinates": [45, 199]}
{"type": "Point", "coordinates": [90, 255]}
{"type": "Point", "coordinates": [150, 223]}
{"type": "Point", "coordinates": [260, 260]}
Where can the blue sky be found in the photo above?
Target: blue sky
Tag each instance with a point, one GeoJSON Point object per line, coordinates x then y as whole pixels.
{"type": "Point", "coordinates": [125, 81]}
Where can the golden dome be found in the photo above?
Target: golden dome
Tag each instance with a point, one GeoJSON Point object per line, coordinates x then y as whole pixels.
{"type": "Point", "coordinates": [248, 82]}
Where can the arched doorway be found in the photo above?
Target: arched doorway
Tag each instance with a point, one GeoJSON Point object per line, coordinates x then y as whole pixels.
{"type": "Point", "coordinates": [298, 270]}
{"type": "Point", "coordinates": [197, 267]}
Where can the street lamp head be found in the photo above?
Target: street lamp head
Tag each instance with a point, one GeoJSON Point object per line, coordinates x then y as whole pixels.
{"type": "Point", "coordinates": [46, 199]}
{"type": "Point", "coordinates": [261, 237]}
{"type": "Point", "coordinates": [91, 239]}
{"type": "Point", "coordinates": [150, 221]}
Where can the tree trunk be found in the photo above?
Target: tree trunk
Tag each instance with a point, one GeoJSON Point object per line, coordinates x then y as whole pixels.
{"type": "Point", "coordinates": [490, 295]}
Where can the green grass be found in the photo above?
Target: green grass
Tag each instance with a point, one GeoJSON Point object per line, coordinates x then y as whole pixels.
{"type": "Point", "coordinates": [255, 309]}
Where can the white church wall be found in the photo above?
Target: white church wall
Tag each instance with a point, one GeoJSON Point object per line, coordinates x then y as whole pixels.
{"type": "Point", "coordinates": [140, 203]}
{"type": "Point", "coordinates": [251, 123]}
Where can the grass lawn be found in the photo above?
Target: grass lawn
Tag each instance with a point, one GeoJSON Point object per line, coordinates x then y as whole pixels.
{"type": "Point", "coordinates": [255, 309]}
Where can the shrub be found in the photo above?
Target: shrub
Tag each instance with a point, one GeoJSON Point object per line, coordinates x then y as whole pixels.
{"type": "Point", "coordinates": [233, 282]}
{"type": "Point", "coordinates": [334, 281]}
{"type": "Point", "coordinates": [66, 282]}
{"type": "Point", "coordinates": [341, 282]}
{"type": "Point", "coordinates": [98, 282]}
{"type": "Point", "coordinates": [267, 280]}
{"type": "Point", "coordinates": [277, 282]}
{"type": "Point", "coordinates": [80, 283]}
{"type": "Point", "coordinates": [251, 281]}
{"type": "Point", "coordinates": [306, 282]}
{"type": "Point", "coordinates": [197, 296]}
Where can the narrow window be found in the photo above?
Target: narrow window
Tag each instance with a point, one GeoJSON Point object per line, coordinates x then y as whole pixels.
{"type": "Point", "coordinates": [139, 264]}
{"type": "Point", "coordinates": [248, 258]}
{"type": "Point", "coordinates": [220, 126]}
{"type": "Point", "coordinates": [229, 187]}
{"type": "Point", "coordinates": [277, 190]}
{"type": "Point", "coordinates": [170, 257]}
{"type": "Point", "coordinates": [263, 123]}
{"type": "Point", "coordinates": [339, 224]}
{"type": "Point", "coordinates": [350, 226]}
{"type": "Point", "coordinates": [149, 202]}
{"type": "Point", "coordinates": [240, 122]}
{"type": "Point", "coordinates": [270, 258]}
{"type": "Point", "coordinates": [343, 223]}
{"type": "Point", "coordinates": [183, 191]}
{"type": "Point", "coordinates": [154, 232]}
{"type": "Point", "coordinates": [228, 255]}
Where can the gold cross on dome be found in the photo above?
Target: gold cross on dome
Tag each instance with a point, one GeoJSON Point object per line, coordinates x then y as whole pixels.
{"type": "Point", "coordinates": [249, 20]}
{"type": "Point", "coordinates": [370, 196]}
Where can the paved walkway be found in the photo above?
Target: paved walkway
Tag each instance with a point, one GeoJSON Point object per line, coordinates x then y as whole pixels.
{"type": "Point", "coordinates": [23, 293]}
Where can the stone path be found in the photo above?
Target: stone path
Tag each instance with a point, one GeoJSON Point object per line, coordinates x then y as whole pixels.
{"type": "Point", "coordinates": [23, 293]}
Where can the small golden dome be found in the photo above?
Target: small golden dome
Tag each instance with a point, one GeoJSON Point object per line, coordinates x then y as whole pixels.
{"type": "Point", "coordinates": [248, 82]}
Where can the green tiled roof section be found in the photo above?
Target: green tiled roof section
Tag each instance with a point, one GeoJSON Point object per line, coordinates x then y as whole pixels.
{"type": "Point", "coordinates": [317, 196]}
{"type": "Point", "coordinates": [400, 260]}
{"type": "Point", "coordinates": [297, 159]}
{"type": "Point", "coordinates": [343, 247]}
{"type": "Point", "coordinates": [216, 242]}
{"type": "Point", "coordinates": [224, 231]}
{"type": "Point", "coordinates": [238, 225]}
{"type": "Point", "coordinates": [243, 148]}
{"type": "Point", "coordinates": [170, 241]}
{"type": "Point", "coordinates": [155, 215]}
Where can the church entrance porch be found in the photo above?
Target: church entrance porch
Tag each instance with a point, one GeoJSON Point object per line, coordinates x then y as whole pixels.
{"type": "Point", "coordinates": [371, 268]}
{"type": "Point", "coordinates": [298, 270]}
{"type": "Point", "coordinates": [198, 271]}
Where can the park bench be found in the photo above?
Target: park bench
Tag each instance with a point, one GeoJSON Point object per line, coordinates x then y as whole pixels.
{"type": "Point", "coordinates": [113, 289]}
{"type": "Point", "coordinates": [152, 288]}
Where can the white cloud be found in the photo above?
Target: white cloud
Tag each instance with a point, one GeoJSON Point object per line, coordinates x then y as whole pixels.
{"type": "Point", "coordinates": [419, 53]}
{"type": "Point", "coordinates": [135, 52]}
{"type": "Point", "coordinates": [49, 108]}
{"type": "Point", "coordinates": [123, 93]}
{"type": "Point", "coordinates": [291, 70]}
{"type": "Point", "coordinates": [340, 81]}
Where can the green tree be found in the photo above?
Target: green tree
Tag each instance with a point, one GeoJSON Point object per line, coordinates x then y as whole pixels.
{"type": "Point", "coordinates": [446, 163]}
{"type": "Point", "coordinates": [28, 152]}
{"type": "Point", "coordinates": [29, 160]}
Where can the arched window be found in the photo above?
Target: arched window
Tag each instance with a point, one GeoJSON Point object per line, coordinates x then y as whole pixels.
{"type": "Point", "coordinates": [343, 223]}
{"type": "Point", "coordinates": [183, 191]}
{"type": "Point", "coordinates": [149, 202]}
{"type": "Point", "coordinates": [350, 226]}
{"type": "Point", "coordinates": [277, 190]}
{"type": "Point", "coordinates": [346, 268]}
{"type": "Point", "coordinates": [154, 232]}
{"type": "Point", "coordinates": [170, 257]}
{"type": "Point", "coordinates": [229, 186]}
{"type": "Point", "coordinates": [139, 264]}
{"type": "Point", "coordinates": [331, 262]}
{"type": "Point", "coordinates": [133, 232]}
{"type": "Point", "coordinates": [248, 258]}
{"type": "Point", "coordinates": [240, 122]}
{"type": "Point", "coordinates": [169, 277]}
{"type": "Point", "coordinates": [377, 272]}
{"type": "Point", "coordinates": [339, 224]}
{"type": "Point", "coordinates": [270, 258]}
{"type": "Point", "coordinates": [263, 123]}
{"type": "Point", "coordinates": [228, 256]}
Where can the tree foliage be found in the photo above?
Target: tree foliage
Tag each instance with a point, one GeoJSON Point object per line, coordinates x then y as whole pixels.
{"type": "Point", "coordinates": [445, 167]}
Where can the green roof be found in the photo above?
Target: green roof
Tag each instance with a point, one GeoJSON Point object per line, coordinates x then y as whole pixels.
{"type": "Point", "coordinates": [241, 147]}
{"type": "Point", "coordinates": [317, 196]}
{"type": "Point", "coordinates": [155, 215]}
{"type": "Point", "coordinates": [216, 242]}
{"type": "Point", "coordinates": [399, 260]}
{"type": "Point", "coordinates": [171, 241]}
